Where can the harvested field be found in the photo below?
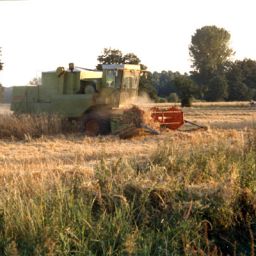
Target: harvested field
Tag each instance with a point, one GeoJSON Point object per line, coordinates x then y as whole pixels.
{"type": "Point", "coordinates": [223, 118]}
{"type": "Point", "coordinates": [178, 193]}
{"type": "Point", "coordinates": [67, 151]}
{"type": "Point", "coordinates": [75, 149]}
{"type": "Point", "coordinates": [5, 109]}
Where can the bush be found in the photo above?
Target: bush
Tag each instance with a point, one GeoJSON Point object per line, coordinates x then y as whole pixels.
{"type": "Point", "coordinates": [186, 102]}
{"type": "Point", "coordinates": [162, 100]}
{"type": "Point", "coordinates": [173, 97]}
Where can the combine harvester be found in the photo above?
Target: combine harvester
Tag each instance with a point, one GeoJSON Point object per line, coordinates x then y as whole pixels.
{"type": "Point", "coordinates": [95, 100]}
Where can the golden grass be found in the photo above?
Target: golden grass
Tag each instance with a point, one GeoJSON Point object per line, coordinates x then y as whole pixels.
{"type": "Point", "coordinates": [200, 104]}
{"type": "Point", "coordinates": [49, 157]}
{"type": "Point", "coordinates": [29, 126]}
{"type": "Point", "coordinates": [40, 179]}
{"type": "Point", "coordinates": [5, 109]}
{"type": "Point", "coordinates": [222, 104]}
{"type": "Point", "coordinates": [226, 118]}
{"type": "Point", "coordinates": [76, 151]}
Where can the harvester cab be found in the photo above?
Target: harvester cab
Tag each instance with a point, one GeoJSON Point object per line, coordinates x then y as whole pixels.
{"type": "Point", "coordinates": [120, 83]}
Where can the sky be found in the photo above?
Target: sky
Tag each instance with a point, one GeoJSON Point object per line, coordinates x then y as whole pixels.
{"type": "Point", "coordinates": [40, 35]}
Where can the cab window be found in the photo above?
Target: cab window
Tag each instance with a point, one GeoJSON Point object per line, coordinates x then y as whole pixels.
{"type": "Point", "coordinates": [110, 78]}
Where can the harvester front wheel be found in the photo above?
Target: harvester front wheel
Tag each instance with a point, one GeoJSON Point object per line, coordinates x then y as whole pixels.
{"type": "Point", "coordinates": [94, 125]}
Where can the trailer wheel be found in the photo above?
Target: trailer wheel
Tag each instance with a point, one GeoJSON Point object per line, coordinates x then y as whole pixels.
{"type": "Point", "coordinates": [94, 125]}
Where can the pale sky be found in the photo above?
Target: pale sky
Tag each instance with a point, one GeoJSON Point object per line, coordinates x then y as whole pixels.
{"type": "Point", "coordinates": [40, 35]}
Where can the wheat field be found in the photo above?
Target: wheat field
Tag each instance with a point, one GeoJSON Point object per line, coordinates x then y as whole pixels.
{"type": "Point", "coordinates": [178, 193]}
{"type": "Point", "coordinates": [84, 151]}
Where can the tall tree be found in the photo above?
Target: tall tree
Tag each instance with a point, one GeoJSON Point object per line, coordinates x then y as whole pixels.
{"type": "Point", "coordinates": [209, 51]}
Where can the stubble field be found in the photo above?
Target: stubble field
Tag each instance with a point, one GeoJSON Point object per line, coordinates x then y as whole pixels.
{"type": "Point", "coordinates": [179, 193]}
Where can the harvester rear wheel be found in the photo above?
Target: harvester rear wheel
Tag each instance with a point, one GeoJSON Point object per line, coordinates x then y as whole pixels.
{"type": "Point", "coordinates": [94, 125]}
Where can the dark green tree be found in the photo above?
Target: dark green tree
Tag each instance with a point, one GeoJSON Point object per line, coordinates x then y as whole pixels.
{"type": "Point", "coordinates": [164, 83]}
{"type": "Point", "coordinates": [241, 77]}
{"type": "Point", "coordinates": [115, 56]}
{"type": "Point", "coordinates": [239, 91]}
{"type": "Point", "coordinates": [1, 93]}
{"type": "Point", "coordinates": [217, 89]}
{"type": "Point", "coordinates": [1, 64]}
{"type": "Point", "coordinates": [1, 87]}
{"type": "Point", "coordinates": [248, 67]}
{"type": "Point", "coordinates": [209, 49]}
{"type": "Point", "coordinates": [210, 52]}
{"type": "Point", "coordinates": [110, 56]}
{"type": "Point", "coordinates": [130, 58]}
{"type": "Point", "coordinates": [186, 89]}
{"type": "Point", "coordinates": [146, 86]}
{"type": "Point", "coordinates": [173, 97]}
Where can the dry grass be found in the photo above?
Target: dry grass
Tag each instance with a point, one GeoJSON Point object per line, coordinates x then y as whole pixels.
{"type": "Point", "coordinates": [226, 118]}
{"type": "Point", "coordinates": [70, 153]}
{"type": "Point", "coordinates": [177, 193]}
{"type": "Point", "coordinates": [76, 194]}
{"type": "Point", "coordinates": [203, 104]}
{"type": "Point", "coordinates": [222, 104]}
{"type": "Point", "coordinates": [5, 109]}
{"type": "Point", "coordinates": [29, 126]}
{"type": "Point", "coordinates": [78, 150]}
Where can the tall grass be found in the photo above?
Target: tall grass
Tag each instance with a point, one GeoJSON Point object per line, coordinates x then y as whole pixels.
{"type": "Point", "coordinates": [198, 200]}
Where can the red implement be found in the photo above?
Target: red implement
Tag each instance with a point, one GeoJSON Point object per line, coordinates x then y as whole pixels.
{"type": "Point", "coordinates": [171, 117]}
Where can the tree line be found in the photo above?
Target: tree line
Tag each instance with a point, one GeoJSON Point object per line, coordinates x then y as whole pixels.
{"type": "Point", "coordinates": [214, 76]}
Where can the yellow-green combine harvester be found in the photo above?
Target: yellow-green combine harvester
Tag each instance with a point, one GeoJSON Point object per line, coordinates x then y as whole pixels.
{"type": "Point", "coordinates": [89, 96]}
